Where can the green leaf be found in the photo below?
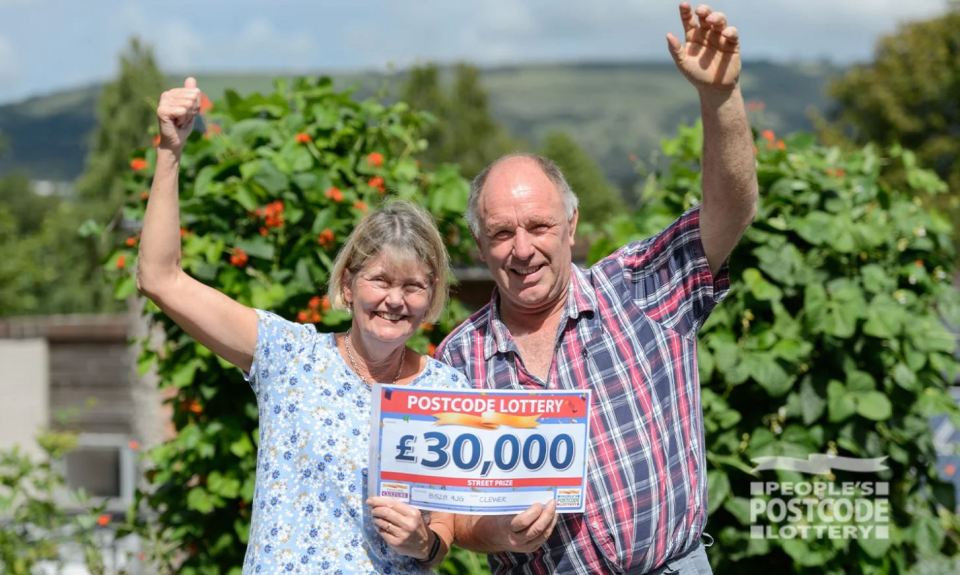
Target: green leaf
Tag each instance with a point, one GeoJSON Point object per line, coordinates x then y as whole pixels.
{"type": "Point", "coordinates": [760, 287]}
{"type": "Point", "coordinates": [198, 499]}
{"type": "Point", "coordinates": [874, 405]}
{"type": "Point", "coordinates": [874, 547]}
{"type": "Point", "coordinates": [258, 247]}
{"type": "Point", "coordinates": [840, 405]}
{"type": "Point", "coordinates": [876, 279]}
{"type": "Point", "coordinates": [739, 507]}
{"type": "Point", "coordinates": [718, 487]}
{"type": "Point", "coordinates": [904, 377]}
{"type": "Point", "coordinates": [765, 370]}
{"type": "Point", "coordinates": [125, 288]}
{"type": "Point", "coordinates": [885, 317]}
{"type": "Point", "coordinates": [811, 404]}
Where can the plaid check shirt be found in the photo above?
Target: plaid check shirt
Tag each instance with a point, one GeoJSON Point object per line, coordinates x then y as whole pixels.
{"type": "Point", "coordinates": [630, 336]}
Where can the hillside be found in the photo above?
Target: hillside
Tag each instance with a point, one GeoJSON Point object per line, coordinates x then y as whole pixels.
{"type": "Point", "coordinates": [612, 110]}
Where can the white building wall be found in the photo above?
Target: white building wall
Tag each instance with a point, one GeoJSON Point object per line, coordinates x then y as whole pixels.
{"type": "Point", "coordinates": [24, 392]}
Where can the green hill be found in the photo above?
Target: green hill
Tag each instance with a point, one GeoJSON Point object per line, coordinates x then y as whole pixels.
{"type": "Point", "coordinates": [614, 111]}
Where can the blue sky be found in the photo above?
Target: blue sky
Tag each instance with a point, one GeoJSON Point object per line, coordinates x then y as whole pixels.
{"type": "Point", "coordinates": [47, 45]}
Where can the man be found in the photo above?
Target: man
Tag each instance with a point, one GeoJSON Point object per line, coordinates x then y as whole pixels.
{"type": "Point", "coordinates": [624, 328]}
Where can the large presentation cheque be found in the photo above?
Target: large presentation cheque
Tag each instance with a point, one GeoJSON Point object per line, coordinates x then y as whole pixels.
{"type": "Point", "coordinates": [480, 452]}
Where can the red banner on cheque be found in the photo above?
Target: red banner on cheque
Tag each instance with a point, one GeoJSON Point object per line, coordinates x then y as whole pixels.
{"type": "Point", "coordinates": [484, 452]}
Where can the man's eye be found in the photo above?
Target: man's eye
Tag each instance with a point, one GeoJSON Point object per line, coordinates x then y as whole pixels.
{"type": "Point", "coordinates": [502, 235]}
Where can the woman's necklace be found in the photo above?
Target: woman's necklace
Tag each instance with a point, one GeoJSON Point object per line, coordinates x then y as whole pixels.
{"type": "Point", "coordinates": [353, 362]}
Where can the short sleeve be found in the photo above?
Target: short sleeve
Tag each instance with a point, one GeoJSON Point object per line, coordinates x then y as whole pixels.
{"type": "Point", "coordinates": [440, 375]}
{"type": "Point", "coordinates": [280, 346]}
{"type": "Point", "coordinates": [669, 277]}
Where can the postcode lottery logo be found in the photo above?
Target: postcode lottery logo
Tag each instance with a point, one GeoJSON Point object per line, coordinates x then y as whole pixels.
{"type": "Point", "coordinates": [820, 509]}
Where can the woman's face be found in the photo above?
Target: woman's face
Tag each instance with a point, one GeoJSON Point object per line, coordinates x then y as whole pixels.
{"type": "Point", "coordinates": [389, 298]}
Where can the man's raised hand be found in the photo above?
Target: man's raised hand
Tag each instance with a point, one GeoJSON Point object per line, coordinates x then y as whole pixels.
{"type": "Point", "coordinates": [710, 57]}
{"type": "Point", "coordinates": [175, 113]}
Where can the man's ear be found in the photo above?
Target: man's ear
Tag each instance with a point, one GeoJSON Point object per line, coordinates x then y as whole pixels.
{"type": "Point", "coordinates": [573, 226]}
{"type": "Point", "coordinates": [479, 245]}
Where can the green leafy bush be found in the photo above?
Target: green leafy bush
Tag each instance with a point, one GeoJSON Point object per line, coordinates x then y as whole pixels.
{"type": "Point", "coordinates": [832, 341]}
{"type": "Point", "coordinates": [35, 522]}
{"type": "Point", "coordinates": [268, 194]}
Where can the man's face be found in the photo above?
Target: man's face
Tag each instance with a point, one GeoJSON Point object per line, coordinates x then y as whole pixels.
{"type": "Point", "coordinates": [525, 238]}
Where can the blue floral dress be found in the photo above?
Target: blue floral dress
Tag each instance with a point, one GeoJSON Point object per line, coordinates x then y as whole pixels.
{"type": "Point", "coordinates": [309, 514]}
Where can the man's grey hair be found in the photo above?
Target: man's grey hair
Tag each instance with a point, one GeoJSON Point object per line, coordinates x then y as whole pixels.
{"type": "Point", "coordinates": [549, 168]}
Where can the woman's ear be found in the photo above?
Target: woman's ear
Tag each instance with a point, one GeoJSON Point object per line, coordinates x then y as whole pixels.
{"type": "Point", "coordinates": [346, 289]}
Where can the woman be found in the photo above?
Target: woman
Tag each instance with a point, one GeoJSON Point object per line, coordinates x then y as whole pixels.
{"type": "Point", "coordinates": [314, 390]}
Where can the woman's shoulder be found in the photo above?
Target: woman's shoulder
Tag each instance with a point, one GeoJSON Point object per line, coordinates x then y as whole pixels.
{"type": "Point", "coordinates": [438, 374]}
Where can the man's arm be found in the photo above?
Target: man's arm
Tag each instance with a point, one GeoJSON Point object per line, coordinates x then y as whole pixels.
{"type": "Point", "coordinates": [521, 533]}
{"type": "Point", "coordinates": [710, 59]}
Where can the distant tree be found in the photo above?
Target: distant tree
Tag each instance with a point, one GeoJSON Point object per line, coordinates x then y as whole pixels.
{"type": "Point", "coordinates": [42, 269]}
{"type": "Point", "coordinates": [908, 96]}
{"type": "Point", "coordinates": [125, 113]}
{"type": "Point", "coordinates": [599, 199]}
{"type": "Point", "coordinates": [466, 132]}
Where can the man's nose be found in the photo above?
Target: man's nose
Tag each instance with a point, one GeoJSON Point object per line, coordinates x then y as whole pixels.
{"type": "Point", "coordinates": [522, 245]}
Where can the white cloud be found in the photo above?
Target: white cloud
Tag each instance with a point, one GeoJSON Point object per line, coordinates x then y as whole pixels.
{"type": "Point", "coordinates": [260, 42]}
{"type": "Point", "coordinates": [9, 66]}
{"type": "Point", "coordinates": [179, 47]}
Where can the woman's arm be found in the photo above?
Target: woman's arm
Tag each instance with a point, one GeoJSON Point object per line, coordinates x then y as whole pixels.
{"type": "Point", "coordinates": [225, 326]}
{"type": "Point", "coordinates": [403, 528]}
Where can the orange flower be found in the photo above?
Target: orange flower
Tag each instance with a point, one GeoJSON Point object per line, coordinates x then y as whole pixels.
{"type": "Point", "coordinates": [325, 303]}
{"type": "Point", "coordinates": [950, 469]}
{"type": "Point", "coordinates": [103, 520]}
{"type": "Point", "coordinates": [426, 327]}
{"type": "Point", "coordinates": [326, 238]}
{"type": "Point", "coordinates": [184, 232]}
{"type": "Point", "coordinates": [314, 302]}
{"type": "Point", "coordinates": [303, 138]}
{"type": "Point", "coordinates": [272, 214]}
{"type": "Point", "coordinates": [360, 205]}
{"type": "Point", "coordinates": [193, 406]}
{"type": "Point", "coordinates": [334, 194]}
{"type": "Point", "coordinates": [238, 258]}
{"type": "Point", "coordinates": [205, 104]}
{"type": "Point", "coordinates": [378, 183]}
{"type": "Point", "coordinates": [144, 195]}
{"type": "Point", "coordinates": [302, 316]}
{"type": "Point", "coordinates": [431, 349]}
{"type": "Point", "coordinates": [781, 145]}
{"type": "Point", "coordinates": [264, 232]}
{"type": "Point", "coordinates": [769, 136]}
{"type": "Point", "coordinates": [138, 164]}
{"type": "Point", "coordinates": [375, 159]}
{"type": "Point", "coordinates": [213, 130]}
{"type": "Point", "coordinates": [134, 445]}
{"type": "Point", "coordinates": [131, 241]}
{"type": "Point", "coordinates": [156, 140]}
{"type": "Point", "coordinates": [121, 262]}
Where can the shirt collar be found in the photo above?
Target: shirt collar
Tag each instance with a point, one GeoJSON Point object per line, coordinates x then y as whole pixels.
{"type": "Point", "coordinates": [580, 299]}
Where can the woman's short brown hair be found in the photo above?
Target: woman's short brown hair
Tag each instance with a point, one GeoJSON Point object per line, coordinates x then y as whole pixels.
{"type": "Point", "coordinates": [403, 228]}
